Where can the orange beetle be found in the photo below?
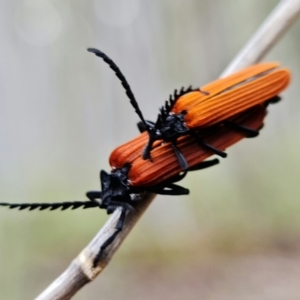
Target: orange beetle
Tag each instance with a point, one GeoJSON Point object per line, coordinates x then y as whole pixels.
{"type": "Point", "coordinates": [194, 109]}
{"type": "Point", "coordinates": [137, 175]}
{"type": "Point", "coordinates": [229, 114]}
{"type": "Point", "coordinates": [133, 175]}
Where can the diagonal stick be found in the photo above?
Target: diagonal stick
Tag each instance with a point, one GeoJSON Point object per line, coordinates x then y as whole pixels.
{"type": "Point", "coordinates": [80, 271]}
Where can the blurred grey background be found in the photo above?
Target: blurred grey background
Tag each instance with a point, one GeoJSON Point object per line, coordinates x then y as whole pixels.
{"type": "Point", "coordinates": [62, 111]}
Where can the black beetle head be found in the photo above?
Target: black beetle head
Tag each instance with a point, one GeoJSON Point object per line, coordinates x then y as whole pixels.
{"type": "Point", "coordinates": [115, 185]}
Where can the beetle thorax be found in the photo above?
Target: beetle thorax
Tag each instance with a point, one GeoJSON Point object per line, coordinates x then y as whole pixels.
{"type": "Point", "coordinates": [173, 126]}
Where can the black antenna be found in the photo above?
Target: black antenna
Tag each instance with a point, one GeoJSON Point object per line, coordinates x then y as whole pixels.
{"type": "Point", "coordinates": [165, 110]}
{"type": "Point", "coordinates": [123, 80]}
{"type": "Point", "coordinates": [51, 206]}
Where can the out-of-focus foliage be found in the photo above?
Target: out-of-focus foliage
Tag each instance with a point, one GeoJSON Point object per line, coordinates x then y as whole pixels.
{"type": "Point", "coordinates": [62, 111]}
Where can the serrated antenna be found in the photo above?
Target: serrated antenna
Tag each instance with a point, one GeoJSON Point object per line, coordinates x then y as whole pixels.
{"type": "Point", "coordinates": [165, 110]}
{"type": "Point", "coordinates": [123, 80]}
{"type": "Point", "coordinates": [51, 206]}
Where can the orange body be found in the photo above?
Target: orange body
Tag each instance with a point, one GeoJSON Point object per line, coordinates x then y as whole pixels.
{"type": "Point", "coordinates": [240, 97]}
{"type": "Point", "coordinates": [225, 98]}
{"type": "Point", "coordinates": [164, 164]}
{"type": "Point", "coordinates": [233, 94]}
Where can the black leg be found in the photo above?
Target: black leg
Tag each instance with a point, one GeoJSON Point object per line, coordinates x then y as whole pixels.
{"type": "Point", "coordinates": [204, 165]}
{"type": "Point", "coordinates": [181, 159]}
{"type": "Point", "coordinates": [176, 178]}
{"type": "Point", "coordinates": [207, 146]}
{"type": "Point", "coordinates": [171, 190]}
{"type": "Point", "coordinates": [146, 152]}
{"type": "Point", "coordinates": [93, 196]}
{"type": "Point", "coordinates": [273, 100]}
{"type": "Point", "coordinates": [251, 133]}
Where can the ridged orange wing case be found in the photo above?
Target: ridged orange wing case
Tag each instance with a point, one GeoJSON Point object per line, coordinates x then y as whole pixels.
{"type": "Point", "coordinates": [232, 95]}
{"type": "Point", "coordinates": [128, 152]}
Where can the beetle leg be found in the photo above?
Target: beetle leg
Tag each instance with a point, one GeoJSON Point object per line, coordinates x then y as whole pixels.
{"type": "Point", "coordinates": [204, 165]}
{"type": "Point", "coordinates": [181, 159]}
{"type": "Point", "coordinates": [170, 189]}
{"type": "Point", "coordinates": [176, 178]}
{"type": "Point", "coordinates": [273, 100]}
{"type": "Point", "coordinates": [251, 133]}
{"type": "Point", "coordinates": [205, 145]}
{"type": "Point", "coordinates": [94, 195]}
{"type": "Point", "coordinates": [146, 152]}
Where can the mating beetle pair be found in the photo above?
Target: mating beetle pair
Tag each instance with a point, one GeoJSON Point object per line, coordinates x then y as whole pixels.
{"type": "Point", "coordinates": [193, 125]}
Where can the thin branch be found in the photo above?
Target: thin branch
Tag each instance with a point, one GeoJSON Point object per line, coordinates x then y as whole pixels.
{"type": "Point", "coordinates": [80, 271]}
{"type": "Point", "coordinates": [278, 22]}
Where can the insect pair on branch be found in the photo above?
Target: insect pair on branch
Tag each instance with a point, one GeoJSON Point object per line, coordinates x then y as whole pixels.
{"type": "Point", "coordinates": [192, 126]}
{"type": "Point", "coordinates": [192, 109]}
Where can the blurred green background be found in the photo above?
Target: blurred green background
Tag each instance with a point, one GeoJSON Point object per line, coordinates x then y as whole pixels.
{"type": "Point", "coordinates": [62, 111]}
